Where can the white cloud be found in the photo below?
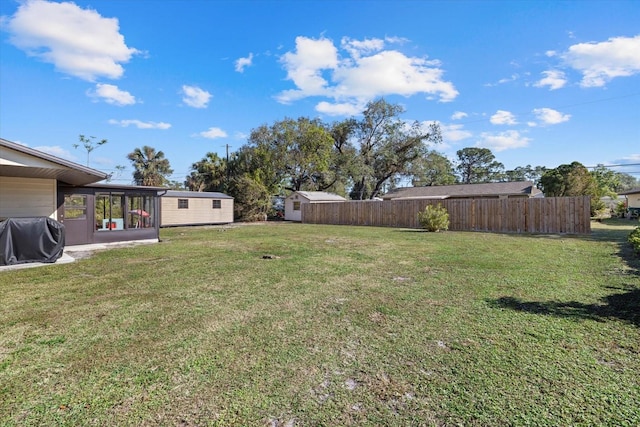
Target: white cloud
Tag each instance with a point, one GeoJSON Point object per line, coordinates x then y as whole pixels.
{"type": "Point", "coordinates": [78, 42]}
{"type": "Point", "coordinates": [242, 63]}
{"type": "Point", "coordinates": [340, 109]}
{"type": "Point", "coordinates": [111, 94]}
{"type": "Point", "coordinates": [195, 97]}
{"type": "Point", "coordinates": [502, 117]}
{"type": "Point", "coordinates": [364, 72]}
{"type": "Point", "coordinates": [304, 68]}
{"type": "Point", "coordinates": [459, 115]}
{"type": "Point", "coordinates": [503, 140]}
{"type": "Point", "coordinates": [357, 48]}
{"type": "Point", "coordinates": [549, 116]}
{"type": "Point", "coordinates": [140, 124]}
{"type": "Point", "coordinates": [454, 133]}
{"type": "Point", "coordinates": [213, 133]}
{"type": "Point", "coordinates": [601, 62]}
{"type": "Point", "coordinates": [555, 79]}
{"type": "Point", "coordinates": [57, 151]}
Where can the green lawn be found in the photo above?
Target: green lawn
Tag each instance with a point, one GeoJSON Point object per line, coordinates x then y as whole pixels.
{"type": "Point", "coordinates": [338, 326]}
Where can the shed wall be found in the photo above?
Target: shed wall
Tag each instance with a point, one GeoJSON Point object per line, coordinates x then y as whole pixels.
{"type": "Point", "coordinates": [200, 212]}
{"type": "Point", "coordinates": [289, 213]}
{"type": "Point", "coordinates": [633, 200]}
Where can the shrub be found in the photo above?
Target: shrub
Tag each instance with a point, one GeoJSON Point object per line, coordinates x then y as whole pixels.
{"type": "Point", "coordinates": [634, 239]}
{"type": "Point", "coordinates": [621, 209]}
{"type": "Point", "coordinates": [434, 218]}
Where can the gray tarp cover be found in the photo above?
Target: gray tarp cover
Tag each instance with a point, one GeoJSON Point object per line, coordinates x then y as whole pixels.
{"type": "Point", "coordinates": [25, 240]}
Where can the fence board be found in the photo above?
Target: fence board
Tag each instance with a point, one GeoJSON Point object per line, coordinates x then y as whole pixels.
{"type": "Point", "coordinates": [566, 215]}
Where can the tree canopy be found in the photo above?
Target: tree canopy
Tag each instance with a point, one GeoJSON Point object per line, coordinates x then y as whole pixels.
{"type": "Point", "coordinates": [477, 165]}
{"type": "Point", "coordinates": [150, 167]}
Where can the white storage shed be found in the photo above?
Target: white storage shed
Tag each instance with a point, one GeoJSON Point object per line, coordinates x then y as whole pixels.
{"type": "Point", "coordinates": [293, 203]}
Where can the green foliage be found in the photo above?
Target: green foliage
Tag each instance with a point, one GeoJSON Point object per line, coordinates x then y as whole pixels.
{"type": "Point", "coordinates": [252, 200]}
{"type": "Point", "coordinates": [432, 169]}
{"type": "Point", "coordinates": [151, 168]}
{"type": "Point", "coordinates": [607, 181]}
{"type": "Point", "coordinates": [634, 239]}
{"type": "Point", "coordinates": [89, 144]}
{"type": "Point", "coordinates": [298, 150]}
{"type": "Point", "coordinates": [209, 174]}
{"type": "Point", "coordinates": [386, 147]}
{"type": "Point", "coordinates": [525, 173]}
{"type": "Point", "coordinates": [621, 209]}
{"type": "Point", "coordinates": [476, 165]}
{"type": "Point", "coordinates": [599, 209]}
{"type": "Point", "coordinates": [568, 180]}
{"type": "Point", "coordinates": [434, 218]}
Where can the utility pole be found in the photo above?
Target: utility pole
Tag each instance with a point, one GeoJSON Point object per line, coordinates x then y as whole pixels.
{"type": "Point", "coordinates": [226, 184]}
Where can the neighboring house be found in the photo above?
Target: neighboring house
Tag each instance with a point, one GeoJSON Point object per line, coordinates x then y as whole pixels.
{"type": "Point", "coordinates": [633, 202]}
{"type": "Point", "coordinates": [491, 190]}
{"type": "Point", "coordinates": [293, 203]}
{"type": "Point", "coordinates": [35, 184]}
{"type": "Point", "coordinates": [195, 208]}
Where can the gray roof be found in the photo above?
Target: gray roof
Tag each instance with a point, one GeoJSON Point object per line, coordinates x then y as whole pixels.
{"type": "Point", "coordinates": [491, 189]}
{"type": "Point", "coordinates": [632, 191]}
{"type": "Point", "coordinates": [320, 196]}
{"type": "Point", "coordinates": [50, 167]}
{"type": "Point", "coordinates": [196, 194]}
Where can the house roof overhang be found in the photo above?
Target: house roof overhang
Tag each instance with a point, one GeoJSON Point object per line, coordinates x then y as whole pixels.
{"type": "Point", "coordinates": [18, 160]}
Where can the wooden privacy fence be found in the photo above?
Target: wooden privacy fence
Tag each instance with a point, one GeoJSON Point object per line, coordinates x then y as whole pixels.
{"type": "Point", "coordinates": [566, 215]}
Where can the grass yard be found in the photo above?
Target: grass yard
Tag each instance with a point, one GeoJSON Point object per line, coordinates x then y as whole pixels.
{"type": "Point", "coordinates": [337, 326]}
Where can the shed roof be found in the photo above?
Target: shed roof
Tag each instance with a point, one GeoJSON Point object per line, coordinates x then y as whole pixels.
{"type": "Point", "coordinates": [196, 194]}
{"type": "Point", "coordinates": [319, 196]}
{"type": "Point", "coordinates": [632, 191]}
{"type": "Point", "coordinates": [17, 160]}
{"type": "Point", "coordinates": [490, 189]}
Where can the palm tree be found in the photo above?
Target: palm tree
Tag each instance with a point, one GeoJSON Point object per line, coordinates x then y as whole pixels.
{"type": "Point", "coordinates": [151, 168]}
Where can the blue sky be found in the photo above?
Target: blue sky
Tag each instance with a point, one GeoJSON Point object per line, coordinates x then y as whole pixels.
{"type": "Point", "coordinates": [538, 83]}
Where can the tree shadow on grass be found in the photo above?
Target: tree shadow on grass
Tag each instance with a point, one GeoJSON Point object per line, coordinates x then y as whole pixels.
{"type": "Point", "coordinates": [623, 306]}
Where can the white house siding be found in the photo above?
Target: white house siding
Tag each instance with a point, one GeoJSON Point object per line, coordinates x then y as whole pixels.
{"type": "Point", "coordinates": [200, 211]}
{"type": "Point", "coordinates": [27, 197]}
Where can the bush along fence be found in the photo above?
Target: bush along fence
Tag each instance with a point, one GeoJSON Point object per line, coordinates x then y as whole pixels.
{"type": "Point", "coordinates": [564, 215]}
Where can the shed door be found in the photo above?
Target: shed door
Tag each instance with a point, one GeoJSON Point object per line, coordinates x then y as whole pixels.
{"type": "Point", "coordinates": [75, 217]}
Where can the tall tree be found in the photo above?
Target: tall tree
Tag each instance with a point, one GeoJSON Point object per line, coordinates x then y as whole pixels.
{"type": "Point", "coordinates": [525, 173]}
{"type": "Point", "coordinates": [432, 169]}
{"type": "Point", "coordinates": [572, 180]}
{"type": "Point", "coordinates": [607, 181]}
{"type": "Point", "coordinates": [568, 180]}
{"type": "Point", "coordinates": [151, 168]}
{"type": "Point", "coordinates": [89, 143]}
{"type": "Point", "coordinates": [387, 145]}
{"type": "Point", "coordinates": [208, 174]}
{"type": "Point", "coordinates": [300, 149]}
{"type": "Point", "coordinates": [627, 182]}
{"type": "Point", "coordinates": [476, 165]}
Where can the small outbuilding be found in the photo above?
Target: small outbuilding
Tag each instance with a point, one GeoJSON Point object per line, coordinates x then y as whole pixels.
{"type": "Point", "coordinates": [293, 203]}
{"type": "Point", "coordinates": [632, 202]}
{"type": "Point", "coordinates": [179, 208]}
